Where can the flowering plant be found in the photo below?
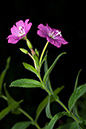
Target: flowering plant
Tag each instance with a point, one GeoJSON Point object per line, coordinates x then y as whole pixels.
{"type": "Point", "coordinates": [54, 37]}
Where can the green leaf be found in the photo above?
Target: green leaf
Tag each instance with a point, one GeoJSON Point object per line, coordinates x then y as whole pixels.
{"type": "Point", "coordinates": [10, 101]}
{"type": "Point", "coordinates": [44, 102]}
{"type": "Point", "coordinates": [54, 119]}
{"type": "Point", "coordinates": [2, 76]}
{"type": "Point", "coordinates": [26, 83]}
{"type": "Point", "coordinates": [21, 125]}
{"type": "Point", "coordinates": [48, 112]}
{"type": "Point", "coordinates": [75, 110]}
{"type": "Point", "coordinates": [36, 60]}
{"type": "Point", "coordinates": [5, 111]}
{"type": "Point", "coordinates": [51, 67]}
{"type": "Point", "coordinates": [72, 125]}
{"type": "Point", "coordinates": [76, 82]}
{"type": "Point", "coordinates": [37, 52]}
{"type": "Point", "coordinates": [76, 95]}
{"type": "Point", "coordinates": [48, 85]}
{"type": "Point", "coordinates": [30, 68]}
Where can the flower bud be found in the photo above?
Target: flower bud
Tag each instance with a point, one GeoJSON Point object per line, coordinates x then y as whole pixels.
{"type": "Point", "coordinates": [24, 50]}
{"type": "Point", "coordinates": [29, 44]}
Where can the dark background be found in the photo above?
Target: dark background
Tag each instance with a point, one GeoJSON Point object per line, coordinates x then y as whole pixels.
{"type": "Point", "coordinates": [67, 16]}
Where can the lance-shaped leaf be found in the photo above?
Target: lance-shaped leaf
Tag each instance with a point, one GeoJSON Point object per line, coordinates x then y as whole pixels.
{"type": "Point", "coordinates": [81, 90]}
{"type": "Point", "coordinates": [54, 119]}
{"type": "Point", "coordinates": [5, 111]}
{"type": "Point", "coordinates": [36, 60]}
{"type": "Point", "coordinates": [2, 76]}
{"type": "Point", "coordinates": [48, 112]}
{"type": "Point", "coordinates": [75, 112]}
{"type": "Point", "coordinates": [21, 125]}
{"type": "Point", "coordinates": [75, 109]}
{"type": "Point", "coordinates": [37, 52]}
{"type": "Point", "coordinates": [10, 101]}
{"type": "Point", "coordinates": [30, 68]}
{"type": "Point", "coordinates": [76, 82]}
{"type": "Point", "coordinates": [51, 67]}
{"type": "Point", "coordinates": [26, 83]}
{"type": "Point", "coordinates": [72, 125]}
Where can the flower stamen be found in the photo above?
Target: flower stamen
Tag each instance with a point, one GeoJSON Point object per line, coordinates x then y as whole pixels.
{"type": "Point", "coordinates": [59, 33]}
{"type": "Point", "coordinates": [21, 28]}
{"type": "Point", "coordinates": [51, 34]}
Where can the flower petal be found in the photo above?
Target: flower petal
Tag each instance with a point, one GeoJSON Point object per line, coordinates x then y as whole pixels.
{"type": "Point", "coordinates": [14, 30]}
{"type": "Point", "coordinates": [27, 27]}
{"type": "Point", "coordinates": [57, 44]}
{"type": "Point", "coordinates": [49, 39]}
{"type": "Point", "coordinates": [41, 33]}
{"type": "Point", "coordinates": [49, 29]}
{"type": "Point", "coordinates": [54, 42]}
{"type": "Point", "coordinates": [12, 39]}
{"type": "Point", "coordinates": [61, 40]}
{"type": "Point", "coordinates": [42, 27]}
{"type": "Point", "coordinates": [20, 23]}
{"type": "Point", "coordinates": [26, 21]}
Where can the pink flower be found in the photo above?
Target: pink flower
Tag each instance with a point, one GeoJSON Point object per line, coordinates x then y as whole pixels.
{"type": "Point", "coordinates": [53, 36]}
{"type": "Point", "coordinates": [19, 31]}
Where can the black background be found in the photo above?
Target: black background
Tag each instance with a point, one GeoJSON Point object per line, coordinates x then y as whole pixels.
{"type": "Point", "coordinates": [67, 16]}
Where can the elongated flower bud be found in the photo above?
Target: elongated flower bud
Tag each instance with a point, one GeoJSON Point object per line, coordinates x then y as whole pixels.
{"type": "Point", "coordinates": [24, 50]}
{"type": "Point", "coordinates": [29, 44]}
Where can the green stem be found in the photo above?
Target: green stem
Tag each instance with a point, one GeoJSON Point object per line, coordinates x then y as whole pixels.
{"type": "Point", "coordinates": [62, 105]}
{"type": "Point", "coordinates": [75, 118]}
{"type": "Point", "coordinates": [57, 100]}
{"type": "Point", "coordinates": [4, 97]}
{"type": "Point", "coordinates": [43, 51]}
{"type": "Point", "coordinates": [44, 87]}
{"type": "Point", "coordinates": [67, 110]}
{"type": "Point", "coordinates": [32, 59]}
{"type": "Point", "coordinates": [31, 56]}
{"type": "Point", "coordinates": [53, 95]}
{"type": "Point", "coordinates": [28, 116]}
